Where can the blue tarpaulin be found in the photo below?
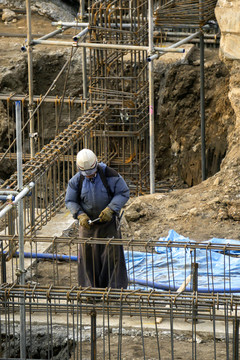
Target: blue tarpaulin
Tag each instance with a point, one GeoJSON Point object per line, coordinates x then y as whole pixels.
{"type": "Point", "coordinates": [169, 267]}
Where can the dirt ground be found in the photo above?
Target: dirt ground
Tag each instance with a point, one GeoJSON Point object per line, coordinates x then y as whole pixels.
{"type": "Point", "coordinates": [132, 348]}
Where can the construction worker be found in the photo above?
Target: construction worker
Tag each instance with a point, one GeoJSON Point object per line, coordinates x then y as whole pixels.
{"type": "Point", "coordinates": [95, 196]}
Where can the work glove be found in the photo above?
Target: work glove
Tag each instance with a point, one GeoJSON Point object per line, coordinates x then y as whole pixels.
{"type": "Point", "coordinates": [83, 220]}
{"type": "Point", "coordinates": [106, 215]}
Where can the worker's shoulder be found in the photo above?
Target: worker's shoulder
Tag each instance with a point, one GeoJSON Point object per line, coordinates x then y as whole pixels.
{"type": "Point", "coordinates": [75, 178]}
{"type": "Point", "coordinates": [108, 171]}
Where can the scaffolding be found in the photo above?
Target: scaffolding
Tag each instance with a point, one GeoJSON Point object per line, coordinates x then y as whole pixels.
{"type": "Point", "coordinates": [118, 41]}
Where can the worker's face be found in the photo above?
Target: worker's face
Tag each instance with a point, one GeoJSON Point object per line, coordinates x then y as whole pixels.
{"type": "Point", "coordinates": [91, 173]}
{"type": "Point", "coordinates": [91, 176]}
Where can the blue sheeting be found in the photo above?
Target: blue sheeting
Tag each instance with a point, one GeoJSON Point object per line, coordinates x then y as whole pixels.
{"type": "Point", "coordinates": [170, 267]}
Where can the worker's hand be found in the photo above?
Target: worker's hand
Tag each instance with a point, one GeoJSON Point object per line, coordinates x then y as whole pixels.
{"type": "Point", "coordinates": [106, 215]}
{"type": "Point", "coordinates": [83, 220]}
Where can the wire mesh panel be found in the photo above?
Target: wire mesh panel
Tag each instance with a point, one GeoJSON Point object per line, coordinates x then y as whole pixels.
{"type": "Point", "coordinates": [76, 323]}
{"type": "Point", "coordinates": [185, 12]}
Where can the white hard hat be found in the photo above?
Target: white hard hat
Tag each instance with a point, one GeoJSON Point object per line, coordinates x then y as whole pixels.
{"type": "Point", "coordinates": [87, 162]}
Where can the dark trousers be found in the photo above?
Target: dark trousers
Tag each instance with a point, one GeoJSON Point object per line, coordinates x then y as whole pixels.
{"type": "Point", "coordinates": [101, 265]}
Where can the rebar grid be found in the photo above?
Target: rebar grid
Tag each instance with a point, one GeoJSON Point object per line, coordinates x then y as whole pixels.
{"type": "Point", "coordinates": [48, 155]}
{"type": "Point", "coordinates": [51, 169]}
{"type": "Point", "coordinates": [97, 323]}
{"type": "Point", "coordinates": [151, 264]}
{"type": "Point", "coordinates": [135, 242]}
{"type": "Point", "coordinates": [184, 12]}
{"type": "Point", "coordinates": [153, 303]}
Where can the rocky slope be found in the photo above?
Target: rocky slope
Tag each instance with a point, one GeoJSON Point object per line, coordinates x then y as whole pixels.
{"type": "Point", "coordinates": [57, 10]}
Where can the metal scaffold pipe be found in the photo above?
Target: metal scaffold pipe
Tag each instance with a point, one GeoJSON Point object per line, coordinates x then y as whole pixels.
{"type": "Point", "coordinates": [184, 41]}
{"type": "Point", "coordinates": [151, 98]}
{"type": "Point", "coordinates": [8, 192]}
{"type": "Point", "coordinates": [30, 75]}
{"type": "Point", "coordinates": [82, 9]}
{"type": "Point", "coordinates": [202, 106]}
{"type": "Point", "coordinates": [53, 33]}
{"type": "Point", "coordinates": [79, 25]}
{"type": "Point", "coordinates": [152, 57]}
{"type": "Point", "coordinates": [47, 36]}
{"type": "Point", "coordinates": [84, 62]}
{"type": "Point", "coordinates": [20, 229]}
{"type": "Point", "coordinates": [174, 46]}
{"type": "Point", "coordinates": [20, 195]}
{"type": "Point", "coordinates": [20, 185]}
{"type": "Point", "coordinates": [70, 24]}
{"type": "Point", "coordinates": [108, 46]}
{"type": "Point", "coordinates": [82, 33]}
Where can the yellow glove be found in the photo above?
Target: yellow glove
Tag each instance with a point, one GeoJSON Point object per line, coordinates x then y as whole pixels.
{"type": "Point", "coordinates": [106, 215]}
{"type": "Point", "coordinates": [83, 220]}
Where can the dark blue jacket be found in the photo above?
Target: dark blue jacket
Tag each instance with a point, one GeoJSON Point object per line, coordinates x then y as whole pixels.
{"type": "Point", "coordinates": [94, 196]}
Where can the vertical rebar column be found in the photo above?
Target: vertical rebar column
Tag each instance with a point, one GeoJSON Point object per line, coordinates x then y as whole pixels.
{"type": "Point", "coordinates": [84, 81]}
{"type": "Point", "coordinates": [151, 97]}
{"type": "Point", "coordinates": [236, 335]}
{"type": "Point", "coordinates": [202, 106]}
{"type": "Point", "coordinates": [81, 9]}
{"type": "Point", "coordinates": [11, 223]}
{"type": "Point", "coordinates": [84, 72]}
{"type": "Point", "coordinates": [30, 75]}
{"type": "Point", "coordinates": [93, 335]}
{"type": "Point", "coordinates": [32, 211]}
{"type": "Point", "coordinates": [11, 228]}
{"type": "Point", "coordinates": [3, 265]}
{"type": "Point", "coordinates": [20, 229]}
{"type": "Point", "coordinates": [195, 285]}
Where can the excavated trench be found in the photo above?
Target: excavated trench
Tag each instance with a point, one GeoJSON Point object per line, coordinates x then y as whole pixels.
{"type": "Point", "coordinates": [40, 345]}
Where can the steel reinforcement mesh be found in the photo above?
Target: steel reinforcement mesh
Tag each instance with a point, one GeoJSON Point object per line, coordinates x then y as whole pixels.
{"type": "Point", "coordinates": [74, 323]}
{"type": "Point", "coordinates": [184, 12]}
{"type": "Point", "coordinates": [52, 317]}
{"type": "Point", "coordinates": [121, 77]}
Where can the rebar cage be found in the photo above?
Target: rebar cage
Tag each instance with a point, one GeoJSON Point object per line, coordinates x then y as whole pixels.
{"type": "Point", "coordinates": [121, 77]}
